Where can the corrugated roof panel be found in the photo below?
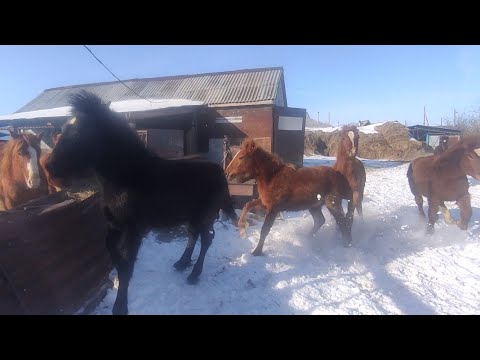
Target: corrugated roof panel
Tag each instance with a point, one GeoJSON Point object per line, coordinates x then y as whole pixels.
{"type": "Point", "coordinates": [215, 89]}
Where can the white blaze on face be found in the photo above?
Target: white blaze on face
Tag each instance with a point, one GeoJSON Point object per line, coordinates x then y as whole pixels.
{"type": "Point", "coordinates": [33, 176]}
{"type": "Point", "coordinates": [351, 135]}
{"type": "Point", "coordinates": [477, 151]}
{"type": "Point", "coordinates": [72, 121]}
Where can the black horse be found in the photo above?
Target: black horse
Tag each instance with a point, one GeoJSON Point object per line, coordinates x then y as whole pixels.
{"type": "Point", "coordinates": [140, 190]}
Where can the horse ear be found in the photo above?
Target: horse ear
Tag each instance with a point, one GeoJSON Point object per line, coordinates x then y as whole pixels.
{"type": "Point", "coordinates": [250, 145]}
{"type": "Point", "coordinates": [14, 134]}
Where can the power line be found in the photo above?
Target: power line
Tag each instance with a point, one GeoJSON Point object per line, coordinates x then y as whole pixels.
{"type": "Point", "coordinates": [115, 76]}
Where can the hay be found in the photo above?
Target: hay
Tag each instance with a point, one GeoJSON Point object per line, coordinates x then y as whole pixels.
{"type": "Point", "coordinates": [392, 142]}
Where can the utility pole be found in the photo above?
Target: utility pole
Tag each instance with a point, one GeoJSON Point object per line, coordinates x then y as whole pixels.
{"type": "Point", "coordinates": [425, 119]}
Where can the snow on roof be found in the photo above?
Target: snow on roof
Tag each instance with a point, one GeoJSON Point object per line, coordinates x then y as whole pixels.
{"type": "Point", "coordinates": [118, 106]}
{"type": "Point", "coordinates": [368, 129]}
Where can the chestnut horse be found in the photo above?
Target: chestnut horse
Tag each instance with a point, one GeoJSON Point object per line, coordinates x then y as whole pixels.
{"type": "Point", "coordinates": [349, 166]}
{"type": "Point", "coordinates": [443, 177]}
{"type": "Point", "coordinates": [283, 187]}
{"type": "Point", "coordinates": [21, 176]}
{"type": "Point", "coordinates": [444, 143]}
{"type": "Point", "coordinates": [141, 191]}
{"type": "Point", "coordinates": [54, 184]}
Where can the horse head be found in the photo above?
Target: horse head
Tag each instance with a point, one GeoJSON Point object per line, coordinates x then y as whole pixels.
{"type": "Point", "coordinates": [25, 157]}
{"type": "Point", "coordinates": [470, 161]}
{"type": "Point", "coordinates": [242, 167]}
{"type": "Point", "coordinates": [349, 140]}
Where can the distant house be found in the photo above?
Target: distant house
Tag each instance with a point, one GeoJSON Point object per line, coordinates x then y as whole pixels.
{"type": "Point", "coordinates": [188, 114]}
{"type": "Point", "coordinates": [431, 134]}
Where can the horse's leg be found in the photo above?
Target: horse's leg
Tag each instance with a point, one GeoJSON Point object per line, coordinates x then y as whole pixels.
{"type": "Point", "coordinates": [267, 225]}
{"type": "Point", "coordinates": [465, 211]}
{"type": "Point", "coordinates": [357, 203]}
{"type": "Point", "coordinates": [242, 221]}
{"type": "Point", "coordinates": [318, 218]}
{"type": "Point", "coordinates": [123, 246]}
{"type": "Point", "coordinates": [419, 201]}
{"type": "Point", "coordinates": [334, 205]}
{"type": "Point", "coordinates": [207, 233]}
{"type": "Point", "coordinates": [186, 258]}
{"type": "Point", "coordinates": [433, 206]}
{"type": "Point", "coordinates": [446, 214]}
{"type": "Point", "coordinates": [349, 218]}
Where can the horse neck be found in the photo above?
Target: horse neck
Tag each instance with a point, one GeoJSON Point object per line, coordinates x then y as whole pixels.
{"type": "Point", "coordinates": [6, 162]}
{"type": "Point", "coordinates": [267, 165]}
{"type": "Point", "coordinates": [124, 165]}
{"type": "Point", "coordinates": [451, 162]}
{"type": "Point", "coordinates": [342, 157]}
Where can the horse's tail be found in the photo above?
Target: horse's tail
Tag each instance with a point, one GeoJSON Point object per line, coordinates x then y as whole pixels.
{"type": "Point", "coordinates": [411, 182]}
{"type": "Point", "coordinates": [227, 205]}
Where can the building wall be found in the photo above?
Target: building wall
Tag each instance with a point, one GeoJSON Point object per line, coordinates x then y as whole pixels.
{"type": "Point", "coordinates": [249, 121]}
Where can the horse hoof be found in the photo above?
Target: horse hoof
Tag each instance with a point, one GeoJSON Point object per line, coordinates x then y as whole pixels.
{"type": "Point", "coordinates": [192, 279]}
{"type": "Point", "coordinates": [243, 233]}
{"type": "Point", "coordinates": [181, 264]}
{"type": "Point", "coordinates": [258, 253]}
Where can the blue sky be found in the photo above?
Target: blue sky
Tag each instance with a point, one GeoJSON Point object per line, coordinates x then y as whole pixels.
{"type": "Point", "coordinates": [353, 83]}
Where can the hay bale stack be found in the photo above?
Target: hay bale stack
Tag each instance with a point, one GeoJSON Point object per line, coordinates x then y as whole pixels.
{"type": "Point", "coordinates": [392, 141]}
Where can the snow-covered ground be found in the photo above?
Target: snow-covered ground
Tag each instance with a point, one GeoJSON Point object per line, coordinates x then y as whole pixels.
{"type": "Point", "coordinates": [368, 129]}
{"type": "Point", "coordinates": [392, 267]}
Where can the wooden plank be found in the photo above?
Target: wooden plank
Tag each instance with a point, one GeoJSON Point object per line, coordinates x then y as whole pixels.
{"type": "Point", "coordinates": [55, 259]}
{"type": "Point", "coordinates": [240, 189]}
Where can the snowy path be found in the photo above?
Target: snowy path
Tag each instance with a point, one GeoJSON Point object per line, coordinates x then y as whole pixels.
{"type": "Point", "coordinates": [392, 267]}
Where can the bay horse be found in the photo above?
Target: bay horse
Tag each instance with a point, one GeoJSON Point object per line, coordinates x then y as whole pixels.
{"type": "Point", "coordinates": [445, 142]}
{"type": "Point", "coordinates": [443, 177]}
{"type": "Point", "coordinates": [140, 190]}
{"type": "Point", "coordinates": [54, 184]}
{"type": "Point", "coordinates": [283, 187]}
{"type": "Point", "coordinates": [349, 166]}
{"type": "Point", "coordinates": [21, 176]}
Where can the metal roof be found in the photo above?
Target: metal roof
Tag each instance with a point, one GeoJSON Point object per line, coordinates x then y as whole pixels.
{"type": "Point", "coordinates": [434, 129]}
{"type": "Point", "coordinates": [215, 89]}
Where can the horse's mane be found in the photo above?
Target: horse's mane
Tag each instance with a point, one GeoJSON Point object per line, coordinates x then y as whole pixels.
{"type": "Point", "coordinates": [263, 157]}
{"type": "Point", "coordinates": [90, 105]}
{"type": "Point", "coordinates": [451, 157]}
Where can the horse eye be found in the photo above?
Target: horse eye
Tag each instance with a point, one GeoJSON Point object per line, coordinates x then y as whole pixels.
{"type": "Point", "coordinates": [240, 157]}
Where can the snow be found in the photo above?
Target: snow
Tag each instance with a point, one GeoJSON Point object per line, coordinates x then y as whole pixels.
{"type": "Point", "coordinates": [55, 112]}
{"type": "Point", "coordinates": [392, 267]}
{"type": "Point", "coordinates": [119, 106]}
{"type": "Point", "coordinates": [368, 129]}
{"type": "Point", "coordinates": [155, 104]}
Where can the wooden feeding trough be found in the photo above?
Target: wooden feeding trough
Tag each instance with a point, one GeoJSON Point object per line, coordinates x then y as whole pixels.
{"type": "Point", "coordinates": [53, 258]}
